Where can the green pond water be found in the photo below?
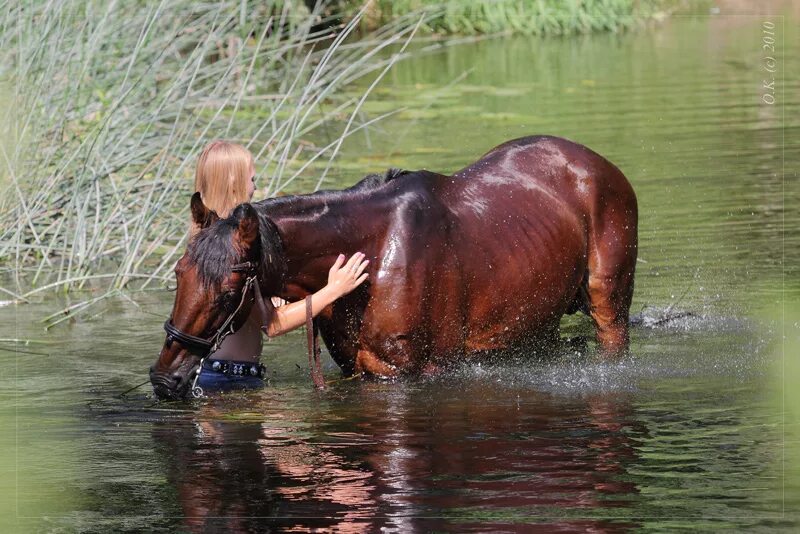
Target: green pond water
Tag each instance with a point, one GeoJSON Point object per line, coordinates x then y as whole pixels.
{"type": "Point", "coordinates": [693, 431]}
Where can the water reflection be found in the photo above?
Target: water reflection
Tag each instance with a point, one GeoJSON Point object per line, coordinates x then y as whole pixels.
{"type": "Point", "coordinates": [367, 458]}
{"type": "Point", "coordinates": [233, 476]}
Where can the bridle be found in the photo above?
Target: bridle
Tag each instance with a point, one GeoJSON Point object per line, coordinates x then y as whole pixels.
{"type": "Point", "coordinates": [202, 347]}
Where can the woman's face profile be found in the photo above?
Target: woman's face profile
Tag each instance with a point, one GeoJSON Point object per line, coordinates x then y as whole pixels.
{"type": "Point", "coordinates": [251, 183]}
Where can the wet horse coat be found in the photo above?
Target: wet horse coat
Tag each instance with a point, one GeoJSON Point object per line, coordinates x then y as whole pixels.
{"type": "Point", "coordinates": [487, 258]}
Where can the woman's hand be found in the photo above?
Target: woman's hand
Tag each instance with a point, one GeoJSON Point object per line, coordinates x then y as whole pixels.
{"type": "Point", "coordinates": [342, 279]}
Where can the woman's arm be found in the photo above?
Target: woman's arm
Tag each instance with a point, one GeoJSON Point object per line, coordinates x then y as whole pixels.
{"type": "Point", "coordinates": [342, 279]}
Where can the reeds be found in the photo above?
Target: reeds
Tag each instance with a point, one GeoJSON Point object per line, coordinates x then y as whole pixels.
{"type": "Point", "coordinates": [109, 103]}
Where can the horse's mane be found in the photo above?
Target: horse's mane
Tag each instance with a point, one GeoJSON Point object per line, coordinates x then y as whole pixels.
{"type": "Point", "coordinates": [371, 181]}
{"type": "Point", "coordinates": [213, 250]}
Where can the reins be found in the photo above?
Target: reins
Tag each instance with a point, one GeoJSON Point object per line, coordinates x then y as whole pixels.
{"type": "Point", "coordinates": [314, 360]}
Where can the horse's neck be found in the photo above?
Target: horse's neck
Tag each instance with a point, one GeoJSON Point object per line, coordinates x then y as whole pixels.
{"type": "Point", "coordinates": [315, 229]}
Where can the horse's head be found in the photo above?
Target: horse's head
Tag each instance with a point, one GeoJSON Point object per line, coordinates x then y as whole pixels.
{"type": "Point", "coordinates": [211, 288]}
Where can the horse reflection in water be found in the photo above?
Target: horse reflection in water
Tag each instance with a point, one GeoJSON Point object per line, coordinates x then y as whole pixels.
{"type": "Point", "coordinates": [466, 462]}
{"type": "Point", "coordinates": [237, 476]}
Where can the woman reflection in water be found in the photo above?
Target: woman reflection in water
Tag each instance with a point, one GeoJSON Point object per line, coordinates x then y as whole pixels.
{"type": "Point", "coordinates": [225, 177]}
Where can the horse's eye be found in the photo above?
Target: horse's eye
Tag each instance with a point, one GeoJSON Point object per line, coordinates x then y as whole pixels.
{"type": "Point", "coordinates": [227, 296]}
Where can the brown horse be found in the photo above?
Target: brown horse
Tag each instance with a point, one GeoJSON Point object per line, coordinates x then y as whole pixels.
{"type": "Point", "coordinates": [488, 258]}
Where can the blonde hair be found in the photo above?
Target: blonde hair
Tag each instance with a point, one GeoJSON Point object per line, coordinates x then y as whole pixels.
{"type": "Point", "coordinates": [223, 170]}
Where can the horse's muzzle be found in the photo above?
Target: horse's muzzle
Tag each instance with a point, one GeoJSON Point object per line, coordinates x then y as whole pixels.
{"type": "Point", "coordinates": [171, 385]}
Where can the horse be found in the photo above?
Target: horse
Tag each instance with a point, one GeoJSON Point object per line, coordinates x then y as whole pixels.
{"type": "Point", "coordinates": [488, 258]}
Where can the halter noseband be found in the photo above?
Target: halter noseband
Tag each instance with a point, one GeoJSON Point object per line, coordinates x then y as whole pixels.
{"type": "Point", "coordinates": [196, 345]}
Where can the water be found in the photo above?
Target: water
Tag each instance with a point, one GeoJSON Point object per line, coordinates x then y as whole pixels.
{"type": "Point", "coordinates": [692, 431]}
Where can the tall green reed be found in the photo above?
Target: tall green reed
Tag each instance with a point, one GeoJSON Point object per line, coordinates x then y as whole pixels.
{"type": "Point", "coordinates": [110, 102]}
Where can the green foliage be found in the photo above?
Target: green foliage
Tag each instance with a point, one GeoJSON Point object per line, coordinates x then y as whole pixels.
{"type": "Point", "coordinates": [109, 104]}
{"type": "Point", "coordinates": [525, 17]}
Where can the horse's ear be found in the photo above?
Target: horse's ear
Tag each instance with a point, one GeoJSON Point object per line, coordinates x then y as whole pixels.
{"type": "Point", "coordinates": [247, 231]}
{"type": "Point", "coordinates": [201, 215]}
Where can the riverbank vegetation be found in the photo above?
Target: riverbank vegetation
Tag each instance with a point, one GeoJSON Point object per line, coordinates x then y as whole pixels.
{"type": "Point", "coordinates": [522, 17]}
{"type": "Point", "coordinates": [108, 104]}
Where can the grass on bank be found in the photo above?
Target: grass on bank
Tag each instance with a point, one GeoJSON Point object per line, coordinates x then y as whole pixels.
{"type": "Point", "coordinates": [523, 17]}
{"type": "Point", "coordinates": [109, 103]}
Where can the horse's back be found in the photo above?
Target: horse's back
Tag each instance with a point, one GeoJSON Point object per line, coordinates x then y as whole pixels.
{"type": "Point", "coordinates": [570, 172]}
{"type": "Point", "coordinates": [548, 180]}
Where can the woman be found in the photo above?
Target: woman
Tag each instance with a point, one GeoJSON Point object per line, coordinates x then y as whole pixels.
{"type": "Point", "coordinates": [225, 178]}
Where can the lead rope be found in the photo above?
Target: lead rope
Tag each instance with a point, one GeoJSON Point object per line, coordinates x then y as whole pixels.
{"type": "Point", "coordinates": [313, 348]}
